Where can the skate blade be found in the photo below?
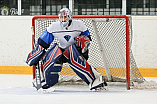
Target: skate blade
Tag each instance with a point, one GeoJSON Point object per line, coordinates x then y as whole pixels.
{"type": "Point", "coordinates": [50, 90]}
{"type": "Point", "coordinates": [101, 89]}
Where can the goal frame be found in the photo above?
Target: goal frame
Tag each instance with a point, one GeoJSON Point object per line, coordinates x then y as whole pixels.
{"type": "Point", "coordinates": [96, 16]}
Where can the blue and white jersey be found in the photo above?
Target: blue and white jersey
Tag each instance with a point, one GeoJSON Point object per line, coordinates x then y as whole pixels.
{"type": "Point", "coordinates": [64, 35]}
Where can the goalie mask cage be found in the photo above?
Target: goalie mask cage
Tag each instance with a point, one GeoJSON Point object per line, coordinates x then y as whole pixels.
{"type": "Point", "coordinates": [110, 50]}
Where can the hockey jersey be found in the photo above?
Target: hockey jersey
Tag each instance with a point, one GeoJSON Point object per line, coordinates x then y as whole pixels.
{"type": "Point", "coordinates": [64, 35]}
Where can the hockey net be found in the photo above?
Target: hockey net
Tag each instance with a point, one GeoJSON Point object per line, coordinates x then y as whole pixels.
{"type": "Point", "coordinates": [110, 50]}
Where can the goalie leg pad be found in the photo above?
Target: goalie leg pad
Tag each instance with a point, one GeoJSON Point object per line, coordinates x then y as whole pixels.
{"type": "Point", "coordinates": [51, 69]}
{"type": "Point", "coordinates": [51, 76]}
{"type": "Point", "coordinates": [35, 55]}
{"type": "Point", "coordinates": [80, 65]}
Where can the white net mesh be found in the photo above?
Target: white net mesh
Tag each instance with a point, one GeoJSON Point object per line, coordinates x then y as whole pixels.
{"type": "Point", "coordinates": [112, 35]}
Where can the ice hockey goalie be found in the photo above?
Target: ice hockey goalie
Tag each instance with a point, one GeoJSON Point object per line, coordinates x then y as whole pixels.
{"type": "Point", "coordinates": [74, 40]}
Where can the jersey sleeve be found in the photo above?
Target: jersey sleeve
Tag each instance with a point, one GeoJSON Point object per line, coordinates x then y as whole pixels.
{"type": "Point", "coordinates": [45, 39]}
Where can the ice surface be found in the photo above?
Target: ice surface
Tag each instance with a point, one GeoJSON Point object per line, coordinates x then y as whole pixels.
{"type": "Point", "coordinates": [17, 89]}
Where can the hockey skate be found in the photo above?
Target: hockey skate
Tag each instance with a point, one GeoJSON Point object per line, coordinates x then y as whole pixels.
{"type": "Point", "coordinates": [98, 84]}
{"type": "Point", "coordinates": [101, 87]}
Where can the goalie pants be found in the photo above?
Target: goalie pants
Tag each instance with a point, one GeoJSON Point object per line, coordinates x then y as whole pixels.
{"type": "Point", "coordinates": [76, 61]}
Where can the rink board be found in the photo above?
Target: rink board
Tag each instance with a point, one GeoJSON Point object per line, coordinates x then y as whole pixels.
{"type": "Point", "coordinates": [146, 72]}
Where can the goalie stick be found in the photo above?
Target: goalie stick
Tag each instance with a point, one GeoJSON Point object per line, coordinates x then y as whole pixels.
{"type": "Point", "coordinates": [37, 82]}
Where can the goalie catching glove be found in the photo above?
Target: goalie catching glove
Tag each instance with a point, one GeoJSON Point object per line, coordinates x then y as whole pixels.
{"type": "Point", "coordinates": [83, 42]}
{"type": "Point", "coordinates": [35, 55]}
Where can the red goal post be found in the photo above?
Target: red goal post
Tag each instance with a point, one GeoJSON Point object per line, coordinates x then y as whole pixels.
{"type": "Point", "coordinates": [127, 40]}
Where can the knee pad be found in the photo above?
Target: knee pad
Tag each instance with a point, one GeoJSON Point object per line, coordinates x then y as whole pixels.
{"type": "Point", "coordinates": [51, 56]}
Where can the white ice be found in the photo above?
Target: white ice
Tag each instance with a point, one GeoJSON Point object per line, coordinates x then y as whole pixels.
{"type": "Point", "coordinates": [17, 89]}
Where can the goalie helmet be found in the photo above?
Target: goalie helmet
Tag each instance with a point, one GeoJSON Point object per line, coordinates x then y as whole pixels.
{"type": "Point", "coordinates": [64, 16]}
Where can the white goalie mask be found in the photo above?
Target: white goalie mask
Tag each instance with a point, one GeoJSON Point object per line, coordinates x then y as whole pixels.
{"type": "Point", "coordinates": [64, 16]}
